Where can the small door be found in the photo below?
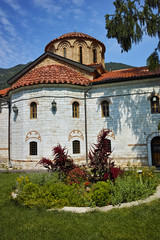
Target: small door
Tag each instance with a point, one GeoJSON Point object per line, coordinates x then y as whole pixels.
{"type": "Point", "coordinates": [155, 147]}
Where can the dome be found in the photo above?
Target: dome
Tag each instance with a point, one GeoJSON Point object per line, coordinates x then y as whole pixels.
{"type": "Point", "coordinates": [74, 35]}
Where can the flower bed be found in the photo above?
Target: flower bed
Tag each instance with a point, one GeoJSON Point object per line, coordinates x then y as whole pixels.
{"type": "Point", "coordinates": [47, 190]}
{"type": "Point", "coordinates": [98, 184]}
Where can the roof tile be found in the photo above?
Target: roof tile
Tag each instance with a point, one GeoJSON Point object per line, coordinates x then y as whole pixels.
{"type": "Point", "coordinates": [131, 73]}
{"type": "Point", "coordinates": [51, 74]}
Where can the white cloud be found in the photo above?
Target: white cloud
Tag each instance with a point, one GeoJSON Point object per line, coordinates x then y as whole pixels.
{"type": "Point", "coordinates": [49, 5]}
{"type": "Point", "coordinates": [6, 24]}
{"type": "Point", "coordinates": [15, 5]}
{"type": "Point", "coordinates": [78, 3]}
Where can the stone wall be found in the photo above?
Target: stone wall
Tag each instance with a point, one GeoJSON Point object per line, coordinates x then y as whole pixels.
{"type": "Point", "coordinates": [3, 133]}
{"type": "Point", "coordinates": [72, 50]}
{"type": "Point", "coordinates": [49, 128]}
{"type": "Point", "coordinates": [130, 121]}
{"type": "Point", "coordinates": [130, 118]}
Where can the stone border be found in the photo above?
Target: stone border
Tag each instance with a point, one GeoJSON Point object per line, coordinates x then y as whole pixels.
{"type": "Point", "coordinates": [155, 196]}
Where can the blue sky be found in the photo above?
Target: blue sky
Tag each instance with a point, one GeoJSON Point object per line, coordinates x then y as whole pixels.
{"type": "Point", "coordinates": [26, 26]}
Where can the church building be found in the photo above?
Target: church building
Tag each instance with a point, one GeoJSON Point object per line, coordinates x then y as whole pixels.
{"type": "Point", "coordinates": [67, 97]}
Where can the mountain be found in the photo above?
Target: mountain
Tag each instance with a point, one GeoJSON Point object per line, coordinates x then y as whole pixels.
{"type": "Point", "coordinates": [111, 66]}
{"type": "Point", "coordinates": [6, 74]}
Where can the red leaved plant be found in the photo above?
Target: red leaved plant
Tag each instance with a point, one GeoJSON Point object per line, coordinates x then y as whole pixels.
{"type": "Point", "coordinates": [62, 162]}
{"type": "Point", "coordinates": [100, 163]}
{"type": "Point", "coordinates": [47, 163]}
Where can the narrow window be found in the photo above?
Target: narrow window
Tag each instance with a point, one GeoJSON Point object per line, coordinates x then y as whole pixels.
{"type": "Point", "coordinates": [155, 105]}
{"type": "Point", "coordinates": [76, 147]}
{"type": "Point", "coordinates": [75, 110]}
{"type": "Point", "coordinates": [33, 110]}
{"type": "Point", "coordinates": [64, 52]}
{"type": "Point", "coordinates": [33, 148]}
{"type": "Point", "coordinates": [109, 145]}
{"type": "Point", "coordinates": [105, 108]}
{"type": "Point", "coordinates": [94, 55]}
{"type": "Point", "coordinates": [80, 55]}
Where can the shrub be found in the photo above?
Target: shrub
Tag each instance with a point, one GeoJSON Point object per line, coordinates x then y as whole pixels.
{"type": "Point", "coordinates": [47, 163]}
{"type": "Point", "coordinates": [62, 162]}
{"type": "Point", "coordinates": [129, 188]}
{"type": "Point", "coordinates": [99, 157]}
{"type": "Point", "coordinates": [76, 175]}
{"type": "Point", "coordinates": [101, 193]}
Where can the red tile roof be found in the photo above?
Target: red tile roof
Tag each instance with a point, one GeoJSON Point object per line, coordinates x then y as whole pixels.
{"type": "Point", "coordinates": [127, 74]}
{"type": "Point", "coordinates": [51, 74]}
{"type": "Point", "coordinates": [4, 91]}
{"type": "Point", "coordinates": [74, 35]}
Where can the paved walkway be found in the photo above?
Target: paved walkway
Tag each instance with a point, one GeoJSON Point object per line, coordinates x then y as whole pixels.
{"type": "Point", "coordinates": [107, 208]}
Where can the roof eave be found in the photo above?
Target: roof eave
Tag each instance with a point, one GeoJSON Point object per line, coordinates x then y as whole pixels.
{"type": "Point", "coordinates": [115, 80]}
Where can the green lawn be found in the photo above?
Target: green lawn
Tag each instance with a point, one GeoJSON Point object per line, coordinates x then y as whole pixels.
{"type": "Point", "coordinates": [20, 223]}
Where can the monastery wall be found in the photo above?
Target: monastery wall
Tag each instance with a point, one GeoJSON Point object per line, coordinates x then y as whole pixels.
{"type": "Point", "coordinates": [130, 119]}
{"type": "Point", "coordinates": [3, 133]}
{"type": "Point", "coordinates": [50, 128]}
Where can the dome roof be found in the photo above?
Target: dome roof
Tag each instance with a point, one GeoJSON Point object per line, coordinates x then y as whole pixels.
{"type": "Point", "coordinates": [74, 35]}
{"type": "Point", "coordinates": [51, 74]}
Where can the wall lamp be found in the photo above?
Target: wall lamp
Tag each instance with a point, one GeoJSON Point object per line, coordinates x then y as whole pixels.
{"type": "Point", "coordinates": [54, 105]}
{"type": "Point", "coordinates": [15, 109]}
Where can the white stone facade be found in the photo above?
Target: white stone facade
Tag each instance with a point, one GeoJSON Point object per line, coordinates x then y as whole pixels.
{"type": "Point", "coordinates": [132, 124]}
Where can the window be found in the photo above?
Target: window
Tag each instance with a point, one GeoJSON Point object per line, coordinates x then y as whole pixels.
{"type": "Point", "coordinates": [33, 110]}
{"type": "Point", "coordinates": [155, 105]}
{"type": "Point", "coordinates": [64, 52]}
{"type": "Point", "coordinates": [76, 147]}
{"type": "Point", "coordinates": [33, 148]}
{"type": "Point", "coordinates": [75, 110]}
{"type": "Point", "coordinates": [80, 54]}
{"type": "Point", "coordinates": [94, 55]}
{"type": "Point", "coordinates": [105, 108]}
{"type": "Point", "coordinates": [109, 145]}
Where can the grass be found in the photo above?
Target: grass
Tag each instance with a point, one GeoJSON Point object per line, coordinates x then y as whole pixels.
{"type": "Point", "coordinates": [17, 222]}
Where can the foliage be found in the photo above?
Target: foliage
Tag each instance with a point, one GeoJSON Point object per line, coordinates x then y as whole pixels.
{"type": "Point", "coordinates": [62, 162]}
{"type": "Point", "coordinates": [130, 188]}
{"type": "Point", "coordinates": [47, 163]}
{"type": "Point", "coordinates": [76, 175]}
{"type": "Point", "coordinates": [37, 223]}
{"type": "Point", "coordinates": [101, 193]}
{"type": "Point", "coordinates": [131, 20]}
{"type": "Point", "coordinates": [100, 163]}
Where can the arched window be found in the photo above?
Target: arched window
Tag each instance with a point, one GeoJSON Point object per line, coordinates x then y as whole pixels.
{"type": "Point", "coordinates": [75, 110]}
{"type": "Point", "coordinates": [33, 110]}
{"type": "Point", "coordinates": [105, 108]}
{"type": "Point", "coordinates": [155, 105]}
{"type": "Point", "coordinates": [33, 148]}
{"type": "Point", "coordinates": [76, 147]}
{"type": "Point", "coordinates": [64, 52]}
{"type": "Point", "coordinates": [80, 55]}
{"type": "Point", "coordinates": [94, 55]}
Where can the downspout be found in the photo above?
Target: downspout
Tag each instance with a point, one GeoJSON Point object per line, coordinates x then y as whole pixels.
{"type": "Point", "coordinates": [9, 134]}
{"type": "Point", "coordinates": [85, 116]}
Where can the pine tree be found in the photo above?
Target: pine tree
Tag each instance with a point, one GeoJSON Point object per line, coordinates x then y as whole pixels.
{"type": "Point", "coordinates": [133, 18]}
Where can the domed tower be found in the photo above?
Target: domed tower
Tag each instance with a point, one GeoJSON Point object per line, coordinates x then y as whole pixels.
{"type": "Point", "coordinates": [78, 47]}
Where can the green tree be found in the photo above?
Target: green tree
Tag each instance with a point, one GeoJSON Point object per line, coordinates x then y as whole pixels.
{"type": "Point", "coordinates": [132, 19]}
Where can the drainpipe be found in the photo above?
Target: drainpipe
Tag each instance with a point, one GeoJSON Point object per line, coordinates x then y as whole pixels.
{"type": "Point", "coordinates": [9, 133]}
{"type": "Point", "coordinates": [85, 115]}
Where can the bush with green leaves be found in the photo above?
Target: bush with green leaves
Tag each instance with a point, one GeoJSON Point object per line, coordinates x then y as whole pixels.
{"type": "Point", "coordinates": [130, 188]}
{"type": "Point", "coordinates": [101, 193]}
